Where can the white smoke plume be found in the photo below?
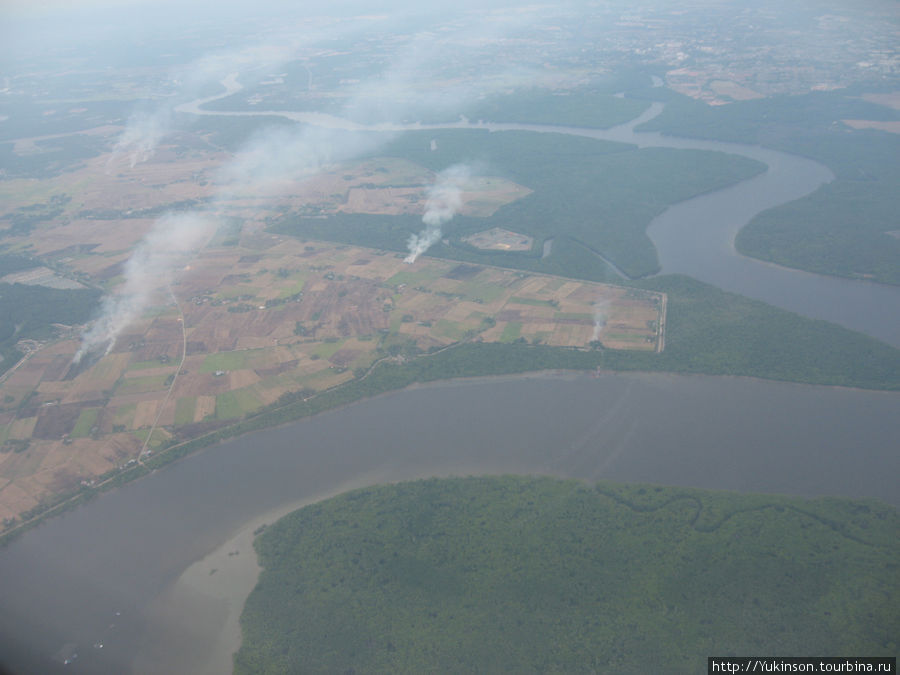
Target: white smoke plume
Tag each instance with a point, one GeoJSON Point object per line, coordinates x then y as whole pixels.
{"type": "Point", "coordinates": [146, 129]}
{"type": "Point", "coordinates": [171, 243]}
{"type": "Point", "coordinates": [271, 161]}
{"type": "Point", "coordinates": [142, 135]}
{"type": "Point", "coordinates": [444, 200]}
{"type": "Point", "coordinates": [601, 309]}
{"type": "Point", "coordinates": [274, 160]}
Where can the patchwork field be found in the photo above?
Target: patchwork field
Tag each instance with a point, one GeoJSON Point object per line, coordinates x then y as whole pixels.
{"type": "Point", "coordinates": [268, 318]}
{"type": "Point", "coordinates": [258, 316]}
{"type": "Point", "coordinates": [88, 220]}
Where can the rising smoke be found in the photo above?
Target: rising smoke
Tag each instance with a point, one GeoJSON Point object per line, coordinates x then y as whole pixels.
{"type": "Point", "coordinates": [141, 137]}
{"type": "Point", "coordinates": [171, 243]}
{"type": "Point", "coordinates": [443, 202]}
{"type": "Point", "coordinates": [146, 129]}
{"type": "Point", "coordinates": [600, 315]}
{"type": "Point", "coordinates": [274, 159]}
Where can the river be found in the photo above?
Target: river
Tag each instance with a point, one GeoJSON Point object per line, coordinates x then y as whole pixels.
{"type": "Point", "coordinates": [103, 580]}
{"type": "Point", "coordinates": [696, 237]}
{"type": "Point", "coordinates": [121, 552]}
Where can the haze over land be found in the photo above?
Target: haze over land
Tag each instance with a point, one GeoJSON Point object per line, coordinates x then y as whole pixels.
{"type": "Point", "coordinates": [218, 218]}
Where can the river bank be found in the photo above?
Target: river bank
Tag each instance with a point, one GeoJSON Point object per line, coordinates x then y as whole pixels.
{"type": "Point", "coordinates": [124, 570]}
{"type": "Point", "coordinates": [125, 551]}
{"type": "Point", "coordinates": [205, 602]}
{"type": "Point", "coordinates": [695, 237]}
{"type": "Point", "coordinates": [195, 624]}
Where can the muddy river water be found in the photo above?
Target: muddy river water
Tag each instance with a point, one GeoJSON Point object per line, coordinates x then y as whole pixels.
{"type": "Point", "coordinates": [106, 573]}
{"type": "Point", "coordinates": [153, 574]}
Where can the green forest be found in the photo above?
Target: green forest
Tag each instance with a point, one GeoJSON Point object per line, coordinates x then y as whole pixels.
{"type": "Point", "coordinates": [847, 227]}
{"type": "Point", "coordinates": [520, 574]}
{"type": "Point", "coordinates": [30, 311]}
{"type": "Point", "coordinates": [578, 108]}
{"type": "Point", "coordinates": [589, 196]}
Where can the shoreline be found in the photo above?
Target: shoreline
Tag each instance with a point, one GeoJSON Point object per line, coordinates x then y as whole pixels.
{"type": "Point", "coordinates": [203, 606]}
{"type": "Point", "coordinates": [149, 550]}
{"type": "Point", "coordinates": [195, 621]}
{"type": "Point", "coordinates": [141, 471]}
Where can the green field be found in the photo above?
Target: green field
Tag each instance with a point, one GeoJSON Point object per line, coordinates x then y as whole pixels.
{"type": "Point", "coordinates": [297, 287]}
{"type": "Point", "coordinates": [414, 275]}
{"type": "Point", "coordinates": [159, 437]}
{"type": "Point", "coordinates": [144, 365]}
{"type": "Point", "coordinates": [85, 423]}
{"type": "Point", "coordinates": [625, 337]}
{"type": "Point", "coordinates": [532, 301]}
{"type": "Point", "coordinates": [528, 575]}
{"type": "Point", "coordinates": [449, 329]}
{"type": "Point", "coordinates": [234, 360]}
{"type": "Point", "coordinates": [139, 385]}
{"type": "Point", "coordinates": [580, 316]}
{"type": "Point", "coordinates": [326, 350]}
{"type": "Point", "coordinates": [511, 331]}
{"type": "Point", "coordinates": [184, 410]}
{"type": "Point", "coordinates": [482, 291]}
{"type": "Point", "coordinates": [237, 403]}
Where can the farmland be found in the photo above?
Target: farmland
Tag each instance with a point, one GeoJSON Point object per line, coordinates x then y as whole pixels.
{"type": "Point", "coordinates": [271, 317]}
{"type": "Point", "coordinates": [254, 318]}
{"type": "Point", "coordinates": [266, 313]}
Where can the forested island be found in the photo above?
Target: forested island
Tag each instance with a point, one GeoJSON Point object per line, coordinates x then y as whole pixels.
{"type": "Point", "coordinates": [519, 574]}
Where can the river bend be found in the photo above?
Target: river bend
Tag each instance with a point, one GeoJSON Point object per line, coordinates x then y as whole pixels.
{"type": "Point", "coordinates": [696, 237]}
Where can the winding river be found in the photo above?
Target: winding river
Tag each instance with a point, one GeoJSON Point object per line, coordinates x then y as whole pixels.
{"type": "Point", "coordinates": [107, 580]}
{"type": "Point", "coordinates": [696, 237]}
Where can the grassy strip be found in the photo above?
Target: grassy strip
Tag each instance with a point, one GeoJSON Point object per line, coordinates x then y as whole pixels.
{"type": "Point", "coordinates": [517, 574]}
{"type": "Point", "coordinates": [713, 332]}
